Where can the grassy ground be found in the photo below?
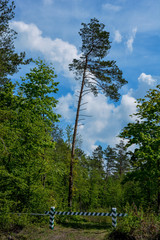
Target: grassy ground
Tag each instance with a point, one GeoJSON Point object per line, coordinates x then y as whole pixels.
{"type": "Point", "coordinates": [67, 231]}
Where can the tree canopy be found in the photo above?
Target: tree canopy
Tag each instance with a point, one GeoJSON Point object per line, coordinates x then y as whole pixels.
{"type": "Point", "coordinates": [9, 59]}
{"type": "Point", "coordinates": [145, 135]}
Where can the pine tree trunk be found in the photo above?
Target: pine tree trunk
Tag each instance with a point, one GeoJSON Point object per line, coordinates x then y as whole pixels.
{"type": "Point", "coordinates": [158, 194]}
{"type": "Point", "coordinates": [70, 195]}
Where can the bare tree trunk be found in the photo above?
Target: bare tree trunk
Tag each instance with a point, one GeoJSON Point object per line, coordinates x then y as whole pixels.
{"type": "Point", "coordinates": [43, 179]}
{"type": "Point", "coordinates": [158, 194]}
{"type": "Point", "coordinates": [70, 195]}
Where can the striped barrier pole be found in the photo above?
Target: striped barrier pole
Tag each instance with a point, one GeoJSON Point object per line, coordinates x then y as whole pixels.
{"type": "Point", "coordinates": [112, 214]}
{"type": "Point", "coordinates": [51, 219]}
{"type": "Point", "coordinates": [114, 217]}
{"type": "Point", "coordinates": [52, 213]}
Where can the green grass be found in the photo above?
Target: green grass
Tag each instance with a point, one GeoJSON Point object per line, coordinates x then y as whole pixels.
{"type": "Point", "coordinates": [72, 230]}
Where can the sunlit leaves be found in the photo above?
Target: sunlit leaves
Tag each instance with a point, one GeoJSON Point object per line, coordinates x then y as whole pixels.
{"type": "Point", "coordinates": [145, 134]}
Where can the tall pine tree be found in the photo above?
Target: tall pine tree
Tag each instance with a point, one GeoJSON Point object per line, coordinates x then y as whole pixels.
{"type": "Point", "coordinates": [96, 74]}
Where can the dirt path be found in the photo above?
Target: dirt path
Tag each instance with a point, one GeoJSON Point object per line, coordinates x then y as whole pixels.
{"type": "Point", "coordinates": [77, 234]}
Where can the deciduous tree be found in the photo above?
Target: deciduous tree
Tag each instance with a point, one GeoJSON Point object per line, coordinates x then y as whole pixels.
{"type": "Point", "coordinates": [25, 138]}
{"type": "Point", "coordinates": [145, 134]}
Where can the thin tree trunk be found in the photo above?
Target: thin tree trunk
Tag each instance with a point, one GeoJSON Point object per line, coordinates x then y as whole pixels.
{"type": "Point", "coordinates": [158, 200]}
{"type": "Point", "coordinates": [158, 195]}
{"type": "Point", "coordinates": [44, 175]}
{"type": "Point", "coordinates": [70, 195]}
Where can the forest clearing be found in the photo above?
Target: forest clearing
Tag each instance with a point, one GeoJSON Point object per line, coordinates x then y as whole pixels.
{"type": "Point", "coordinates": [59, 233]}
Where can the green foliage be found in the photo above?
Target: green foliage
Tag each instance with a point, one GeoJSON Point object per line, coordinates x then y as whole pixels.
{"type": "Point", "coordinates": [122, 160]}
{"type": "Point", "coordinates": [110, 158]}
{"type": "Point", "coordinates": [113, 193]}
{"type": "Point", "coordinates": [9, 59]}
{"type": "Point", "coordinates": [100, 75]}
{"type": "Point", "coordinates": [58, 173]}
{"type": "Point", "coordinates": [26, 141]}
{"type": "Point", "coordinates": [139, 224]}
{"type": "Point", "coordinates": [81, 194]}
{"type": "Point", "coordinates": [36, 88]}
{"type": "Point", "coordinates": [133, 219]}
{"type": "Point", "coordinates": [145, 159]}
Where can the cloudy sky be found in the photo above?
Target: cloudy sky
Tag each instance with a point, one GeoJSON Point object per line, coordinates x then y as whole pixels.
{"type": "Point", "coordinates": [49, 29]}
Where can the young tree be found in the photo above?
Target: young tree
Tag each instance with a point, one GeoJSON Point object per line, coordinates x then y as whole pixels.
{"type": "Point", "coordinates": [96, 74]}
{"type": "Point", "coordinates": [97, 159]}
{"type": "Point", "coordinates": [25, 138]}
{"type": "Point", "coordinates": [9, 59]}
{"type": "Point", "coordinates": [122, 160]}
{"type": "Point", "coordinates": [145, 133]}
{"type": "Point", "coordinates": [96, 177]}
{"type": "Point", "coordinates": [37, 87]}
{"type": "Point", "coordinates": [110, 158]}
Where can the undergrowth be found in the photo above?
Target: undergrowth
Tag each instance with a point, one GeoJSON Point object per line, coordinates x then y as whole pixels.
{"type": "Point", "coordinates": [137, 225]}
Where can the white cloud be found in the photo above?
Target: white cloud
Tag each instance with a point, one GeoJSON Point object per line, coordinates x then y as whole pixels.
{"type": "Point", "coordinates": [106, 121]}
{"type": "Point", "coordinates": [117, 36]}
{"type": "Point", "coordinates": [148, 79]}
{"type": "Point", "coordinates": [131, 40]}
{"type": "Point", "coordinates": [127, 107]}
{"type": "Point", "coordinates": [145, 82]}
{"type": "Point", "coordinates": [111, 7]}
{"type": "Point", "coordinates": [56, 50]}
{"type": "Point", "coordinates": [65, 107]}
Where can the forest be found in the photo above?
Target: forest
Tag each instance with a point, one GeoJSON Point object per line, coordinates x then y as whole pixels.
{"type": "Point", "coordinates": [43, 165]}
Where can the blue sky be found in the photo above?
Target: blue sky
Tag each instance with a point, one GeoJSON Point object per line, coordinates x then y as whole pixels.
{"type": "Point", "coordinates": [49, 29]}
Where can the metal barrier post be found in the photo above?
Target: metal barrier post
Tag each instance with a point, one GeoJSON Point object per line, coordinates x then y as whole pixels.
{"type": "Point", "coordinates": [114, 217]}
{"type": "Point", "coordinates": [51, 219]}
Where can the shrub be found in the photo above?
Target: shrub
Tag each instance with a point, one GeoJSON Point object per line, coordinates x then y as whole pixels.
{"type": "Point", "coordinates": [137, 225]}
